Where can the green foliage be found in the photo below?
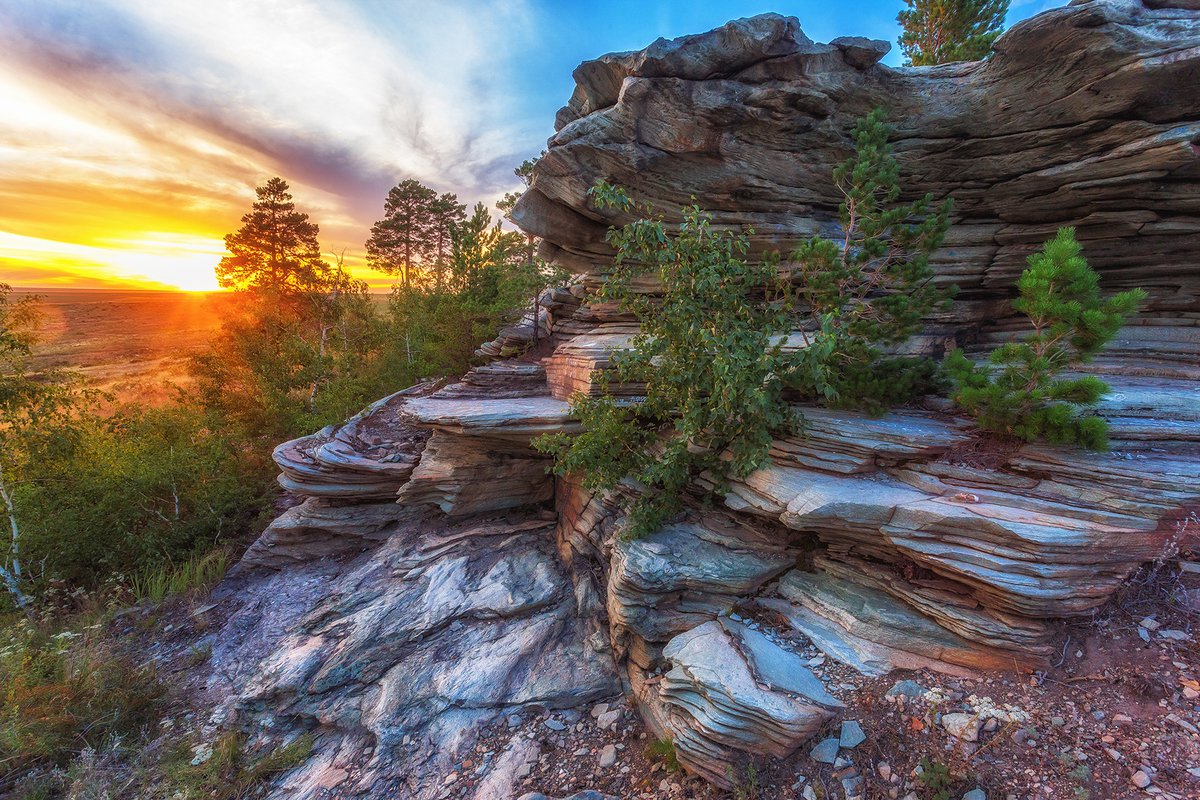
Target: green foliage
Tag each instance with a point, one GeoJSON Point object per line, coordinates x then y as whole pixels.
{"type": "Point", "coordinates": [710, 357]}
{"type": "Point", "coordinates": [63, 693]}
{"type": "Point", "coordinates": [137, 493]}
{"type": "Point", "coordinates": [300, 348]}
{"type": "Point", "coordinates": [869, 290]}
{"type": "Point", "coordinates": [488, 281]}
{"type": "Point", "coordinates": [1019, 391]}
{"type": "Point", "coordinates": [936, 777]}
{"type": "Point", "coordinates": [414, 235]}
{"type": "Point", "coordinates": [37, 415]}
{"type": "Point", "coordinates": [940, 31]}
{"type": "Point", "coordinates": [276, 248]}
{"type": "Point", "coordinates": [663, 751]}
{"type": "Point", "coordinates": [197, 572]}
{"type": "Point", "coordinates": [231, 772]}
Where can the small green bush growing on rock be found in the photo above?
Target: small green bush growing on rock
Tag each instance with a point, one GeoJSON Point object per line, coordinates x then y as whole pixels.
{"type": "Point", "coordinates": [870, 289]}
{"type": "Point", "coordinates": [710, 356]}
{"type": "Point", "coordinates": [1018, 390]}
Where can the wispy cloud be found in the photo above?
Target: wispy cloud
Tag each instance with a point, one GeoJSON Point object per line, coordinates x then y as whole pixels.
{"type": "Point", "coordinates": [179, 109]}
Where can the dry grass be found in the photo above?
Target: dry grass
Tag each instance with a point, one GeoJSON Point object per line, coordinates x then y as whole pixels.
{"type": "Point", "coordinates": [132, 344]}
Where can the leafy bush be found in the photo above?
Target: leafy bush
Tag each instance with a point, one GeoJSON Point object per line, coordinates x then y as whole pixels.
{"type": "Point", "coordinates": [870, 289]}
{"type": "Point", "coordinates": [710, 356]}
{"type": "Point", "coordinates": [487, 280]}
{"type": "Point", "coordinates": [143, 491]}
{"type": "Point", "coordinates": [1019, 390]}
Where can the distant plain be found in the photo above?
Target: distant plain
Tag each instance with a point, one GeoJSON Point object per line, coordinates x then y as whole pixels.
{"type": "Point", "coordinates": [130, 343]}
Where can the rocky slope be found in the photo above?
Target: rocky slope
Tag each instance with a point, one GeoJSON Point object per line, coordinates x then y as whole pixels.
{"type": "Point", "coordinates": [438, 580]}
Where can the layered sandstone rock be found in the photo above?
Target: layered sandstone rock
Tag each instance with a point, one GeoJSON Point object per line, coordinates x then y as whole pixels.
{"type": "Point", "coordinates": [440, 586]}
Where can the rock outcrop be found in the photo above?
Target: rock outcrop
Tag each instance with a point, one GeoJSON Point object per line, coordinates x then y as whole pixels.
{"type": "Point", "coordinates": [449, 579]}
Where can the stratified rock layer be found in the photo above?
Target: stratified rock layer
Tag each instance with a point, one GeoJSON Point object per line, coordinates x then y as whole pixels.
{"type": "Point", "coordinates": [439, 590]}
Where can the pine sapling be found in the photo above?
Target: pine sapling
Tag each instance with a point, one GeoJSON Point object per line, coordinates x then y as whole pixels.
{"type": "Point", "coordinates": [870, 289]}
{"type": "Point", "coordinates": [710, 357]}
{"type": "Point", "coordinates": [1019, 390]}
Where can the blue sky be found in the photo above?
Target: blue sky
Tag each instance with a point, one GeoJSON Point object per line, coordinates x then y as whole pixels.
{"type": "Point", "coordinates": [134, 131]}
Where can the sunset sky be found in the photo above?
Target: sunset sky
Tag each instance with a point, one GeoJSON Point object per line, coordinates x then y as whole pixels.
{"type": "Point", "coordinates": [133, 132]}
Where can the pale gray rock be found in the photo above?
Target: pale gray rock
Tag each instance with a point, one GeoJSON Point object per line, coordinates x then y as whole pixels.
{"type": "Point", "coordinates": [826, 751]}
{"type": "Point", "coordinates": [686, 573]}
{"type": "Point", "coordinates": [964, 727]}
{"type": "Point", "coordinates": [852, 734]}
{"type": "Point", "coordinates": [731, 690]}
{"type": "Point", "coordinates": [406, 651]}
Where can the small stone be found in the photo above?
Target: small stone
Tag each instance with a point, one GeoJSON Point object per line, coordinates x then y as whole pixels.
{"type": "Point", "coordinates": [852, 734]}
{"type": "Point", "coordinates": [962, 726]}
{"type": "Point", "coordinates": [608, 718]}
{"type": "Point", "coordinates": [1140, 779]}
{"type": "Point", "coordinates": [1057, 722]}
{"type": "Point", "coordinates": [825, 752]}
{"type": "Point", "coordinates": [1174, 635]}
{"type": "Point", "coordinates": [1143, 634]}
{"type": "Point", "coordinates": [201, 753]}
{"type": "Point", "coordinates": [885, 770]}
{"type": "Point", "coordinates": [1150, 624]}
{"type": "Point", "coordinates": [599, 709]}
{"type": "Point", "coordinates": [554, 724]}
{"type": "Point", "coordinates": [608, 756]}
{"type": "Point", "coordinates": [449, 779]}
{"type": "Point", "coordinates": [809, 793]}
{"type": "Point", "coordinates": [906, 688]}
{"type": "Point", "coordinates": [1122, 719]}
{"type": "Point", "coordinates": [514, 721]}
{"type": "Point", "coordinates": [975, 794]}
{"type": "Point", "coordinates": [991, 725]}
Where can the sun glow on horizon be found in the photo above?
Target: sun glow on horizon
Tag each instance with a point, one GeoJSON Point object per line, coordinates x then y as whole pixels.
{"type": "Point", "coordinates": [159, 260]}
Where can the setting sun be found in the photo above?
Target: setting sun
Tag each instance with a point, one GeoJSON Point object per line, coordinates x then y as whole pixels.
{"type": "Point", "coordinates": [157, 261]}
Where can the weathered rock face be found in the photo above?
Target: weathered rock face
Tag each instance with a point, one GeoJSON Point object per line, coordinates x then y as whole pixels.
{"type": "Point", "coordinates": [432, 587]}
{"type": "Point", "coordinates": [931, 550]}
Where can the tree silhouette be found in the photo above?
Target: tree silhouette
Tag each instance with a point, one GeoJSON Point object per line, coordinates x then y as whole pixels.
{"type": "Point", "coordinates": [276, 248]}
{"type": "Point", "coordinates": [414, 232]}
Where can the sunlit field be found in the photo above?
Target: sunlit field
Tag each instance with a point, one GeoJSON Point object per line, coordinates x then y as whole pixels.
{"type": "Point", "coordinates": [132, 344]}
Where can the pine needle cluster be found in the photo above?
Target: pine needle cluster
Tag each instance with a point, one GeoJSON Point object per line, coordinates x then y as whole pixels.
{"type": "Point", "coordinates": [1021, 390]}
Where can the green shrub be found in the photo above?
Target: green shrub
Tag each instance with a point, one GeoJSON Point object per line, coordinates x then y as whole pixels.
{"type": "Point", "coordinates": [870, 289]}
{"type": "Point", "coordinates": [663, 751]}
{"type": "Point", "coordinates": [140, 492]}
{"type": "Point", "coordinates": [230, 773]}
{"type": "Point", "coordinates": [709, 353]}
{"type": "Point", "coordinates": [1019, 390]}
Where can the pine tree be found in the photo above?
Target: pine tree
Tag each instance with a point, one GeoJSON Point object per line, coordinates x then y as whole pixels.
{"type": "Point", "coordinates": [447, 213]}
{"type": "Point", "coordinates": [870, 288]}
{"type": "Point", "coordinates": [940, 31]}
{"type": "Point", "coordinates": [1019, 391]}
{"type": "Point", "coordinates": [276, 248]}
{"type": "Point", "coordinates": [405, 238]}
{"type": "Point", "coordinates": [297, 328]}
{"type": "Point", "coordinates": [709, 354]}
